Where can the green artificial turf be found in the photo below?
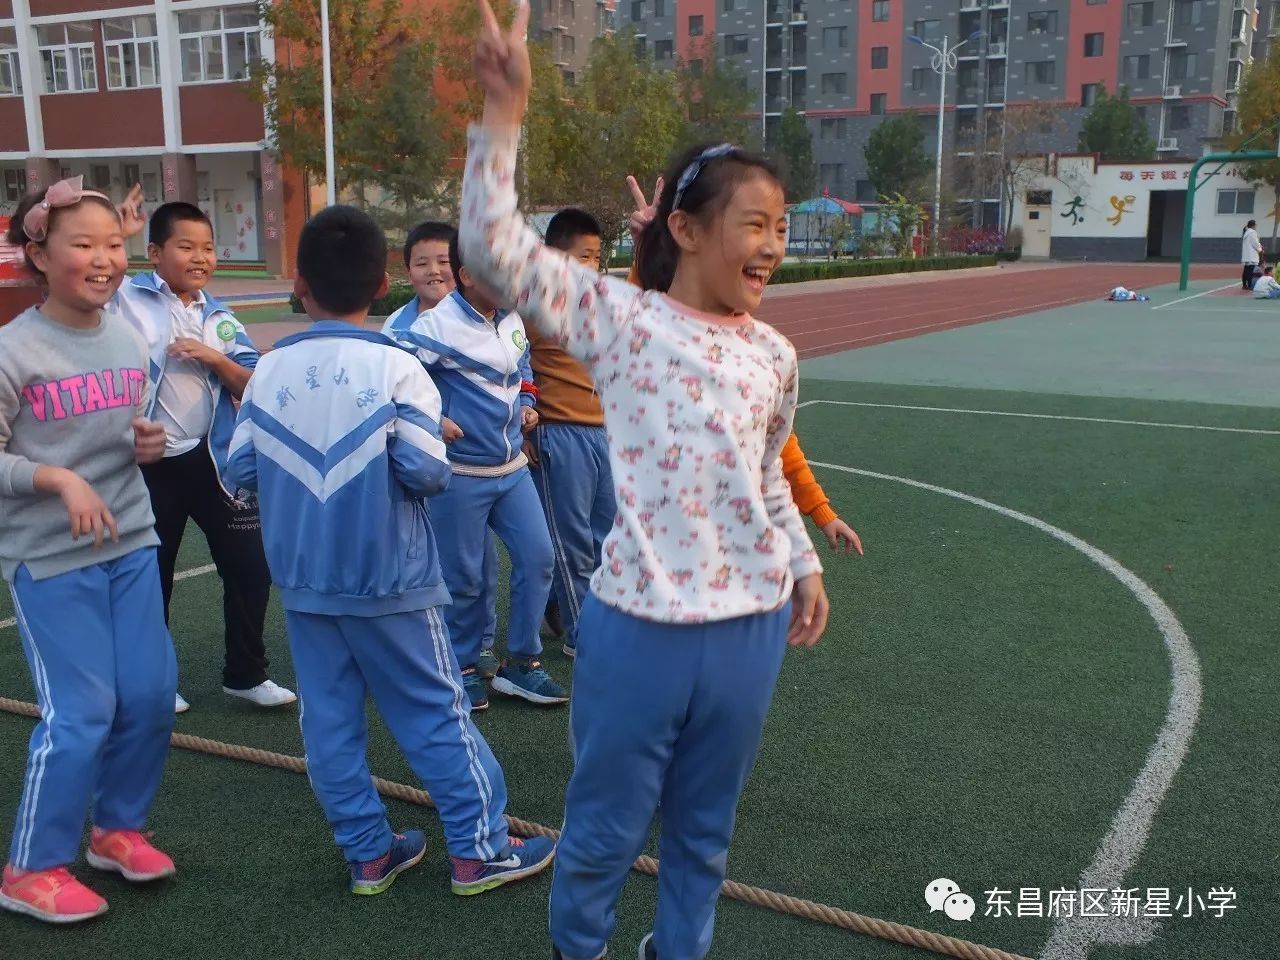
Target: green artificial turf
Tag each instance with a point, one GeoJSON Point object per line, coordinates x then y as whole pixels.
{"type": "Point", "coordinates": [979, 708]}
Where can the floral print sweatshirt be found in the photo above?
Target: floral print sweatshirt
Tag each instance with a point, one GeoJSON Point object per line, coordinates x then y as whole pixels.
{"type": "Point", "coordinates": [697, 410]}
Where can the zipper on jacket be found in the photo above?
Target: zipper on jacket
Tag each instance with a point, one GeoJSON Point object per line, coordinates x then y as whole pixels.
{"type": "Point", "coordinates": [511, 408]}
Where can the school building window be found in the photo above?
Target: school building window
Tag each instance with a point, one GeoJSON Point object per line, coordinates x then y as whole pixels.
{"type": "Point", "coordinates": [1178, 117]}
{"type": "Point", "coordinates": [1188, 13]}
{"type": "Point", "coordinates": [637, 11]}
{"type": "Point", "coordinates": [641, 48]}
{"type": "Point", "coordinates": [878, 104]}
{"type": "Point", "coordinates": [879, 58]}
{"type": "Point", "coordinates": [735, 44]}
{"type": "Point", "coordinates": [10, 70]}
{"type": "Point", "coordinates": [1182, 66]}
{"type": "Point", "coordinates": [880, 10]}
{"type": "Point", "coordinates": [833, 128]}
{"type": "Point", "coordinates": [831, 176]}
{"type": "Point", "coordinates": [1142, 14]}
{"type": "Point", "coordinates": [695, 68]}
{"type": "Point", "coordinates": [920, 78]}
{"type": "Point", "coordinates": [695, 26]}
{"type": "Point", "coordinates": [1094, 3]}
{"type": "Point", "coordinates": [132, 52]}
{"type": "Point", "coordinates": [219, 44]}
{"type": "Point", "coordinates": [1093, 44]}
{"type": "Point", "coordinates": [835, 83]}
{"type": "Point", "coordinates": [835, 38]}
{"type": "Point", "coordinates": [659, 7]}
{"type": "Point", "coordinates": [14, 184]}
{"type": "Point", "coordinates": [1137, 68]}
{"type": "Point", "coordinates": [1041, 71]}
{"type": "Point", "coordinates": [662, 50]}
{"type": "Point", "coordinates": [570, 45]}
{"type": "Point", "coordinates": [1042, 21]}
{"type": "Point", "coordinates": [67, 58]}
{"type": "Point", "coordinates": [1235, 202]}
{"type": "Point", "coordinates": [727, 6]}
{"type": "Point", "coordinates": [1088, 94]}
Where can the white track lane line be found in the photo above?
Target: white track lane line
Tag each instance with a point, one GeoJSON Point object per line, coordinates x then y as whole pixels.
{"type": "Point", "coordinates": [1203, 293]}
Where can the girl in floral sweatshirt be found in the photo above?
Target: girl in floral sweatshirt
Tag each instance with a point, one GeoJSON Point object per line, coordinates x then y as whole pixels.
{"type": "Point", "coordinates": [709, 572]}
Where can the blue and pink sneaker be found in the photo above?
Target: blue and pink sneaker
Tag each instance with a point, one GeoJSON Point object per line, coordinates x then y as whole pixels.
{"type": "Point", "coordinates": [522, 858]}
{"type": "Point", "coordinates": [370, 877]}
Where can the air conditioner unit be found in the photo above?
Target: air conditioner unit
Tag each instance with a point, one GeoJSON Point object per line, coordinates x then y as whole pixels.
{"type": "Point", "coordinates": [1174, 90]}
{"type": "Point", "coordinates": [996, 49]}
{"type": "Point", "coordinates": [1168, 143]}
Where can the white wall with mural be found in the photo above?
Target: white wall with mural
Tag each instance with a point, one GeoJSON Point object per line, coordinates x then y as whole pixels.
{"type": "Point", "coordinates": [227, 190]}
{"type": "Point", "coordinates": [1088, 200]}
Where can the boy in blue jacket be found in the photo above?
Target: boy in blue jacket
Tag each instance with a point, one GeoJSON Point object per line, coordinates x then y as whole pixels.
{"type": "Point", "coordinates": [478, 355]}
{"type": "Point", "coordinates": [339, 435]}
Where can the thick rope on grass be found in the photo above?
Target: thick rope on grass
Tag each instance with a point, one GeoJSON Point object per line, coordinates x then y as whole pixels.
{"type": "Point", "coordinates": [756, 896]}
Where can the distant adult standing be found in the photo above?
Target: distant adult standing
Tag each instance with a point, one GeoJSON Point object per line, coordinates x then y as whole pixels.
{"type": "Point", "coordinates": [1250, 251]}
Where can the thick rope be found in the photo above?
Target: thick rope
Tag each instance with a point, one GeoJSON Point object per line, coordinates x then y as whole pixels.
{"type": "Point", "coordinates": [756, 896]}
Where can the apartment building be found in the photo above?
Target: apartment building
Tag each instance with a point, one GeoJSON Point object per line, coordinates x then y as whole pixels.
{"type": "Point", "coordinates": [568, 28]}
{"type": "Point", "coordinates": [847, 64]}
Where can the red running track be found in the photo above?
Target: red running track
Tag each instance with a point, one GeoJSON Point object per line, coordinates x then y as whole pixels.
{"type": "Point", "coordinates": [880, 309]}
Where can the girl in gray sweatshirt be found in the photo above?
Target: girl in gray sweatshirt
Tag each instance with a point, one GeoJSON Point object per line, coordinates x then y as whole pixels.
{"type": "Point", "coordinates": [78, 551]}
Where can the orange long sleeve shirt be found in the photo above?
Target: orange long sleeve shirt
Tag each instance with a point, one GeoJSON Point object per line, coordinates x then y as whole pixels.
{"type": "Point", "coordinates": [805, 489]}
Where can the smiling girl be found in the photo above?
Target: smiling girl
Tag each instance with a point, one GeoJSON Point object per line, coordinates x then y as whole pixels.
{"type": "Point", "coordinates": [87, 599]}
{"type": "Point", "coordinates": [708, 572]}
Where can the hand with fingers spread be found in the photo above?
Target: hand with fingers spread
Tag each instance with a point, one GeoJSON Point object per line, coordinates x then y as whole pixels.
{"type": "Point", "coordinates": [501, 65]}
{"type": "Point", "coordinates": [148, 440]}
{"type": "Point", "coordinates": [842, 537]}
{"type": "Point", "coordinates": [132, 218]}
{"type": "Point", "coordinates": [645, 210]}
{"type": "Point", "coordinates": [86, 510]}
{"type": "Point", "coordinates": [809, 611]}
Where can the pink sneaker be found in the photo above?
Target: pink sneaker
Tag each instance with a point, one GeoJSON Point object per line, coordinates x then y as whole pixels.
{"type": "Point", "coordinates": [129, 853]}
{"type": "Point", "coordinates": [54, 896]}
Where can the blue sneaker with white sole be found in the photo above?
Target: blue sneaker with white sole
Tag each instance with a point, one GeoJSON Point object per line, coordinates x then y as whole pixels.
{"type": "Point", "coordinates": [525, 678]}
{"type": "Point", "coordinates": [370, 877]}
{"type": "Point", "coordinates": [522, 858]}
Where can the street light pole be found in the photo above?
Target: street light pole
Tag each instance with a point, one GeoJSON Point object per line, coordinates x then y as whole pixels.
{"type": "Point", "coordinates": [330, 184]}
{"type": "Point", "coordinates": [943, 62]}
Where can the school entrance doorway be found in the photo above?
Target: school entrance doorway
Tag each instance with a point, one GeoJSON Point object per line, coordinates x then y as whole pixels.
{"type": "Point", "coordinates": [1037, 215]}
{"type": "Point", "coordinates": [1167, 211]}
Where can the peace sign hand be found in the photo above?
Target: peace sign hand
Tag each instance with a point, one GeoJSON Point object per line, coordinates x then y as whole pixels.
{"type": "Point", "coordinates": [645, 211]}
{"type": "Point", "coordinates": [132, 219]}
{"type": "Point", "coordinates": [501, 65]}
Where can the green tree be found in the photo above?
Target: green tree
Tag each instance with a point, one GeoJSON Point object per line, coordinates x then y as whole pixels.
{"type": "Point", "coordinates": [1258, 111]}
{"type": "Point", "coordinates": [624, 116]}
{"type": "Point", "coordinates": [1115, 130]}
{"type": "Point", "coordinates": [715, 99]}
{"type": "Point", "coordinates": [900, 218]}
{"type": "Point", "coordinates": [793, 154]}
{"type": "Point", "coordinates": [384, 129]}
{"type": "Point", "coordinates": [896, 161]}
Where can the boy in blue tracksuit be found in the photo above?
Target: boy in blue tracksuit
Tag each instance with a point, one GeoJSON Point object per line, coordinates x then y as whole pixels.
{"type": "Point", "coordinates": [200, 359]}
{"type": "Point", "coordinates": [339, 435]}
{"type": "Point", "coordinates": [479, 357]}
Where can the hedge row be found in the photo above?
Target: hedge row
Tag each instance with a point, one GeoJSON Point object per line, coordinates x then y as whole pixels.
{"type": "Point", "coordinates": [401, 291]}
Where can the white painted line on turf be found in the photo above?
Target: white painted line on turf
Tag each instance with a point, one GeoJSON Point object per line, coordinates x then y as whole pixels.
{"type": "Point", "coordinates": [181, 575]}
{"type": "Point", "coordinates": [1203, 293]}
{"type": "Point", "coordinates": [1073, 937]}
{"type": "Point", "coordinates": [1045, 416]}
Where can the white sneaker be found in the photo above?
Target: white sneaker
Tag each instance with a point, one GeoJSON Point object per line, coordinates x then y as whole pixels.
{"type": "Point", "coordinates": [180, 705]}
{"type": "Point", "coordinates": [265, 694]}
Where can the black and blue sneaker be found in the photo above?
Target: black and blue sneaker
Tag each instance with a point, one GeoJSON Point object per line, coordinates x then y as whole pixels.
{"type": "Point", "coordinates": [522, 858]}
{"type": "Point", "coordinates": [477, 691]}
{"type": "Point", "coordinates": [525, 678]}
{"type": "Point", "coordinates": [372, 877]}
{"type": "Point", "coordinates": [487, 665]}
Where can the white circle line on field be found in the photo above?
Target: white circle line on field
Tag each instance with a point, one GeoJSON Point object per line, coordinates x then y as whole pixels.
{"type": "Point", "coordinates": [181, 575]}
{"type": "Point", "coordinates": [1043, 416]}
{"type": "Point", "coordinates": [1073, 937]}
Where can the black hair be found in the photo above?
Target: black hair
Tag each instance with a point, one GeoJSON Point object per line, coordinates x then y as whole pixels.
{"type": "Point", "coordinates": [570, 224]}
{"type": "Point", "coordinates": [342, 255]}
{"type": "Point", "coordinates": [168, 214]}
{"type": "Point", "coordinates": [17, 231]}
{"type": "Point", "coordinates": [431, 230]}
{"type": "Point", "coordinates": [710, 192]}
{"type": "Point", "coordinates": [455, 260]}
{"type": "Point", "coordinates": [1251, 223]}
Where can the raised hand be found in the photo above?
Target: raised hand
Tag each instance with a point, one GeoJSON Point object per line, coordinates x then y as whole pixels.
{"type": "Point", "coordinates": [645, 211]}
{"type": "Point", "coordinates": [132, 219]}
{"type": "Point", "coordinates": [501, 65]}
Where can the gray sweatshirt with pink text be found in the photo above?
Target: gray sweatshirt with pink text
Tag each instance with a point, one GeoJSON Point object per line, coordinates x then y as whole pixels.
{"type": "Point", "coordinates": [67, 399]}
